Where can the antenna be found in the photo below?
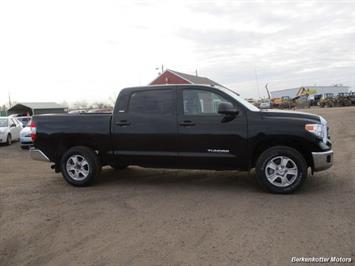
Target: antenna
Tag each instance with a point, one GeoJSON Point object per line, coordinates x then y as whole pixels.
{"type": "Point", "coordinates": [162, 69]}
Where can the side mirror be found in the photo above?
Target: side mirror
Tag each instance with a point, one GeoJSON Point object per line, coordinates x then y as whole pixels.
{"type": "Point", "coordinates": [226, 108]}
{"type": "Point", "coordinates": [13, 125]}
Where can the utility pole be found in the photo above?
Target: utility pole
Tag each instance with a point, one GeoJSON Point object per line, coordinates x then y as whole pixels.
{"type": "Point", "coordinates": [9, 100]}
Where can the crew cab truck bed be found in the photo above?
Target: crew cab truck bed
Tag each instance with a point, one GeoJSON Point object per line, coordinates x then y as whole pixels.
{"type": "Point", "coordinates": [185, 126]}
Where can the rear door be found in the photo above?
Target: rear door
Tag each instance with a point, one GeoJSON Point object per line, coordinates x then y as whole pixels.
{"type": "Point", "coordinates": [208, 139]}
{"type": "Point", "coordinates": [144, 131]}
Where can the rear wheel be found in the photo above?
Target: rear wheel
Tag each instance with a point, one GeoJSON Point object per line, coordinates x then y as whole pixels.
{"type": "Point", "coordinates": [281, 169]}
{"type": "Point", "coordinates": [80, 166]}
{"type": "Point", "coordinates": [8, 140]}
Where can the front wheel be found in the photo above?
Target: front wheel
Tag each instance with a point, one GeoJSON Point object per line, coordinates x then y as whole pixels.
{"type": "Point", "coordinates": [80, 166]}
{"type": "Point", "coordinates": [281, 169]}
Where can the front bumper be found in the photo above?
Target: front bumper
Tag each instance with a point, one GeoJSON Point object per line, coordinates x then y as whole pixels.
{"type": "Point", "coordinates": [322, 160]}
{"type": "Point", "coordinates": [38, 155]}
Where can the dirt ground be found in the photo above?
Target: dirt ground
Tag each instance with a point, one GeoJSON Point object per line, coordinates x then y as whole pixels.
{"type": "Point", "coordinates": [172, 217]}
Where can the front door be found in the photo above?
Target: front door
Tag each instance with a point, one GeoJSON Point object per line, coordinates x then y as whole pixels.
{"type": "Point", "coordinates": [15, 128]}
{"type": "Point", "coordinates": [146, 132]}
{"type": "Point", "coordinates": [208, 139]}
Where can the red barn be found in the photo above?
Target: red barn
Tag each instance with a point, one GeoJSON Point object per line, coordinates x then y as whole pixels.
{"type": "Point", "coordinates": [173, 77]}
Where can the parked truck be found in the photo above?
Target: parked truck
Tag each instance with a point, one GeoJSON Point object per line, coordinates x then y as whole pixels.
{"type": "Point", "coordinates": [185, 126]}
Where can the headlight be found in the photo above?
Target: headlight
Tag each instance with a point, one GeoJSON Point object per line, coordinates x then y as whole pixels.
{"type": "Point", "coordinates": [316, 129]}
{"type": "Point", "coordinates": [320, 130]}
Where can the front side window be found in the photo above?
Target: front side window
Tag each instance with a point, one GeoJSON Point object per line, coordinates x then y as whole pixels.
{"type": "Point", "coordinates": [198, 102]}
{"type": "Point", "coordinates": [12, 122]}
{"type": "Point", "coordinates": [156, 102]}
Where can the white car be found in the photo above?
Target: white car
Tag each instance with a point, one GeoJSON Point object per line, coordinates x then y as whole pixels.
{"type": "Point", "coordinates": [25, 137]}
{"type": "Point", "coordinates": [9, 129]}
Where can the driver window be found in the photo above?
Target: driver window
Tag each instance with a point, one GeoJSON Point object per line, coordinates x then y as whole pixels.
{"type": "Point", "coordinates": [198, 102]}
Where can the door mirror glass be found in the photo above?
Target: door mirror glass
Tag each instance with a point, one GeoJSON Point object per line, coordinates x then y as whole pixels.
{"type": "Point", "coordinates": [226, 108]}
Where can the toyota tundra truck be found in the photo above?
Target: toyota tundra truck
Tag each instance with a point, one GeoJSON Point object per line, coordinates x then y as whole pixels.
{"type": "Point", "coordinates": [188, 127]}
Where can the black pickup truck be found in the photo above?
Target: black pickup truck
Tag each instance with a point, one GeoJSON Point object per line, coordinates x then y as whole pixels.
{"type": "Point", "coordinates": [185, 126]}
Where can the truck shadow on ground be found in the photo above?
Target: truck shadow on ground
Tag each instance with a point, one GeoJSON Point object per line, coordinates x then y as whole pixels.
{"type": "Point", "coordinates": [215, 180]}
{"type": "Point", "coordinates": [177, 177]}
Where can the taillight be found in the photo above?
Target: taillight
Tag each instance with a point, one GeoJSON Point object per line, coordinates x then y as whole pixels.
{"type": "Point", "coordinates": [33, 130]}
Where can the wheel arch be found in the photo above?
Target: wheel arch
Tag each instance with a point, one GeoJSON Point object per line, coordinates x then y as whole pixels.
{"type": "Point", "coordinates": [294, 143]}
{"type": "Point", "coordinates": [63, 148]}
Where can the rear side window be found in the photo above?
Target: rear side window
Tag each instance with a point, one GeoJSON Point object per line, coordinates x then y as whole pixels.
{"type": "Point", "coordinates": [156, 102]}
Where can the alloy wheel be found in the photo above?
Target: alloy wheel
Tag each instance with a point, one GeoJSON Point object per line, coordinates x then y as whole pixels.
{"type": "Point", "coordinates": [77, 167]}
{"type": "Point", "coordinates": [281, 171]}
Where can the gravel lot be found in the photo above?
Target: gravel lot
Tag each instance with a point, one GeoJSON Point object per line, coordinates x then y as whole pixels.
{"type": "Point", "coordinates": [172, 217]}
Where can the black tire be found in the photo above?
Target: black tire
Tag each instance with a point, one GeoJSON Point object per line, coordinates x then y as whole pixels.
{"type": "Point", "coordinates": [119, 166]}
{"type": "Point", "coordinates": [272, 154]}
{"type": "Point", "coordinates": [92, 166]}
{"type": "Point", "coordinates": [8, 139]}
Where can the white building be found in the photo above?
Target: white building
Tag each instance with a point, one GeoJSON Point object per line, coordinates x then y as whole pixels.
{"type": "Point", "coordinates": [319, 90]}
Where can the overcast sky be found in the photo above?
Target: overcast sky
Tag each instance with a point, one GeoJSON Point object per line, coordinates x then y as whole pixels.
{"type": "Point", "coordinates": [88, 50]}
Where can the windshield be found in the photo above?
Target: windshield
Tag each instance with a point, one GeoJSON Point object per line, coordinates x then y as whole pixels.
{"type": "Point", "coordinates": [244, 102]}
{"type": "Point", "coordinates": [3, 122]}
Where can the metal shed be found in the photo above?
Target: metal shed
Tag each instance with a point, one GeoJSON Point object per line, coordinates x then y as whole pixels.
{"type": "Point", "coordinates": [37, 108]}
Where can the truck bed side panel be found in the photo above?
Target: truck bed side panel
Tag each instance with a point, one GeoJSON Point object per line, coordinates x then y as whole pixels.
{"type": "Point", "coordinates": [57, 133]}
